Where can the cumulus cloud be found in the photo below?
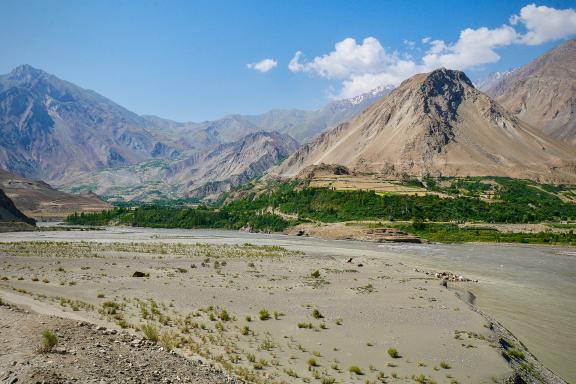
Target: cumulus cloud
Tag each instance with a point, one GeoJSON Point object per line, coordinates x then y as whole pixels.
{"type": "Point", "coordinates": [544, 24]}
{"type": "Point", "coordinates": [363, 66]}
{"type": "Point", "coordinates": [264, 65]}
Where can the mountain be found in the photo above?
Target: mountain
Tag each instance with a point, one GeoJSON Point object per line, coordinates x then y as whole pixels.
{"type": "Point", "coordinates": [300, 124]}
{"type": "Point", "coordinates": [437, 124]}
{"type": "Point", "coordinates": [205, 174]}
{"type": "Point", "coordinates": [543, 92]}
{"type": "Point", "coordinates": [51, 129]}
{"type": "Point", "coordinates": [39, 200]}
{"type": "Point", "coordinates": [491, 80]}
{"type": "Point", "coordinates": [9, 212]}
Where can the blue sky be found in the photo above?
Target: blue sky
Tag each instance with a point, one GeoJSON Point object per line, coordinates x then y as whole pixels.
{"type": "Point", "coordinates": [188, 60]}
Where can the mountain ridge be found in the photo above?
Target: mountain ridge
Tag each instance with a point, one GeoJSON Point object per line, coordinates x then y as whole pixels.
{"type": "Point", "coordinates": [436, 124]}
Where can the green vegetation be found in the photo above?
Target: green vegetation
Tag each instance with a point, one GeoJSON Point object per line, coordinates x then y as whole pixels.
{"type": "Point", "coordinates": [49, 341]}
{"type": "Point", "coordinates": [393, 353]}
{"type": "Point", "coordinates": [356, 370]}
{"type": "Point", "coordinates": [451, 233]}
{"type": "Point", "coordinates": [151, 332]}
{"type": "Point", "coordinates": [433, 217]}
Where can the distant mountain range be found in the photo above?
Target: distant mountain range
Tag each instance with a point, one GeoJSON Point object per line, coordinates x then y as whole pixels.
{"type": "Point", "coordinates": [204, 174]}
{"type": "Point", "coordinates": [71, 137]}
{"type": "Point", "coordinates": [437, 124]}
{"type": "Point", "coordinates": [434, 124]}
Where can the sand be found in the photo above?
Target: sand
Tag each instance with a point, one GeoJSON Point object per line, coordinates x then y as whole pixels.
{"type": "Point", "coordinates": [368, 306]}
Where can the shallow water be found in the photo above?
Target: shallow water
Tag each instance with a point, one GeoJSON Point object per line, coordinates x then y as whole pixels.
{"type": "Point", "coordinates": [530, 290]}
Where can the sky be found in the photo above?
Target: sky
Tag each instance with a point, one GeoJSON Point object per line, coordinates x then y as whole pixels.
{"type": "Point", "coordinates": [200, 60]}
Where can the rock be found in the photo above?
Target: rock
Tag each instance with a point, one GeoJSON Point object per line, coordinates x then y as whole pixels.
{"type": "Point", "coordinates": [140, 274]}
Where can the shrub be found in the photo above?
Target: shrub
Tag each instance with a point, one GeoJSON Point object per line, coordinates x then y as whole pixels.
{"type": "Point", "coordinates": [224, 316]}
{"type": "Point", "coordinates": [312, 362]}
{"type": "Point", "coordinates": [49, 340]}
{"type": "Point", "coordinates": [356, 370]}
{"type": "Point", "coordinates": [393, 352]}
{"type": "Point", "coordinates": [315, 274]}
{"type": "Point", "coordinates": [445, 365]}
{"type": "Point", "coordinates": [264, 314]}
{"type": "Point", "coordinates": [317, 315]}
{"type": "Point", "coordinates": [150, 332]}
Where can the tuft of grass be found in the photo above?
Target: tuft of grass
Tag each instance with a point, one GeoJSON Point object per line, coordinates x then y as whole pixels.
{"type": "Point", "coordinates": [312, 362]}
{"type": "Point", "coordinates": [224, 316]}
{"type": "Point", "coordinates": [315, 274]}
{"type": "Point", "coordinates": [264, 314]}
{"type": "Point", "coordinates": [49, 341]}
{"type": "Point", "coordinates": [356, 370]}
{"type": "Point", "coordinates": [445, 365]}
{"type": "Point", "coordinates": [150, 332]}
{"type": "Point", "coordinates": [393, 353]}
{"type": "Point", "coordinates": [317, 315]}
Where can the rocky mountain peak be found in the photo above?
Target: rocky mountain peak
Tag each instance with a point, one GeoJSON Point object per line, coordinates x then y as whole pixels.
{"type": "Point", "coordinates": [25, 73]}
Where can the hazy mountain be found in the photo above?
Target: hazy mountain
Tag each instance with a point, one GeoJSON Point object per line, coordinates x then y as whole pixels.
{"type": "Point", "coordinates": [39, 200]}
{"type": "Point", "coordinates": [437, 124]}
{"type": "Point", "coordinates": [543, 92]}
{"type": "Point", "coordinates": [300, 124]}
{"type": "Point", "coordinates": [204, 174]}
{"type": "Point", "coordinates": [491, 80]}
{"type": "Point", "coordinates": [51, 129]}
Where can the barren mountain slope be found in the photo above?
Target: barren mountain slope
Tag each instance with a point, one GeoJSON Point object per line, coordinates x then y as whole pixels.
{"type": "Point", "coordinates": [39, 200]}
{"type": "Point", "coordinates": [208, 173]}
{"type": "Point", "coordinates": [543, 92]}
{"type": "Point", "coordinates": [51, 129]}
{"type": "Point", "coordinates": [437, 124]}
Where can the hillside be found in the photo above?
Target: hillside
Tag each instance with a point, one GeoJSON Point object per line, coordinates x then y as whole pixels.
{"type": "Point", "coordinates": [42, 202]}
{"type": "Point", "coordinates": [193, 175]}
{"type": "Point", "coordinates": [437, 124]}
{"type": "Point", "coordinates": [543, 92]}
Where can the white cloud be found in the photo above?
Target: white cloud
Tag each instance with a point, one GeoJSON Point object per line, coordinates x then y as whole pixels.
{"type": "Point", "coordinates": [544, 24]}
{"type": "Point", "coordinates": [474, 47]}
{"type": "Point", "coordinates": [264, 65]}
{"type": "Point", "coordinates": [364, 66]}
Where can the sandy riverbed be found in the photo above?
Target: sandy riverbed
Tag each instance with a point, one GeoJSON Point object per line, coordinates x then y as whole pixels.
{"type": "Point", "coordinates": [374, 303]}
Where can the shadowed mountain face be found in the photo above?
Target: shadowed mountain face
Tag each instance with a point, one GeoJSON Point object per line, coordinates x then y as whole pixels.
{"type": "Point", "coordinates": [204, 174]}
{"type": "Point", "coordinates": [437, 124]}
{"type": "Point", "coordinates": [39, 200]}
{"type": "Point", "coordinates": [52, 129]}
{"type": "Point", "coordinates": [9, 212]}
{"type": "Point", "coordinates": [543, 92]}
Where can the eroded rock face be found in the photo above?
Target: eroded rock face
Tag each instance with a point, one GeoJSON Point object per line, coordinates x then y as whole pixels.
{"type": "Point", "coordinates": [437, 124]}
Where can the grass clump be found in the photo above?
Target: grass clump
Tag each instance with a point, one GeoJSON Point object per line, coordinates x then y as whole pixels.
{"type": "Point", "coordinates": [264, 314]}
{"type": "Point", "coordinates": [317, 315]}
{"type": "Point", "coordinates": [312, 362]}
{"type": "Point", "coordinates": [445, 365]}
{"type": "Point", "coordinates": [150, 332]}
{"type": "Point", "coordinates": [356, 370]}
{"type": "Point", "coordinates": [393, 353]}
{"type": "Point", "coordinates": [49, 341]}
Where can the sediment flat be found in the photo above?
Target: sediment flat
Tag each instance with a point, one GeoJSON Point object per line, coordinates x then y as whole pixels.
{"type": "Point", "coordinates": [265, 308]}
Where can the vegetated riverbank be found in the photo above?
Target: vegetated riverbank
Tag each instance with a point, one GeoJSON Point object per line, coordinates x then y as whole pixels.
{"type": "Point", "coordinates": [432, 217]}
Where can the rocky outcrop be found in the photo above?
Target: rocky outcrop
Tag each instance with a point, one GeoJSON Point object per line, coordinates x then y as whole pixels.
{"type": "Point", "coordinates": [9, 212]}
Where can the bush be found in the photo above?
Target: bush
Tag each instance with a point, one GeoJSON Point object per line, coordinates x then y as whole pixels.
{"type": "Point", "coordinates": [264, 314]}
{"type": "Point", "coordinates": [150, 332]}
{"type": "Point", "coordinates": [393, 352]}
{"type": "Point", "coordinates": [355, 369]}
{"type": "Point", "coordinates": [317, 315]}
{"type": "Point", "coordinates": [49, 341]}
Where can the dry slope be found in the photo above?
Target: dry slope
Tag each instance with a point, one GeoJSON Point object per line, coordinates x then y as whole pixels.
{"type": "Point", "coordinates": [437, 124]}
{"type": "Point", "coordinates": [543, 92]}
